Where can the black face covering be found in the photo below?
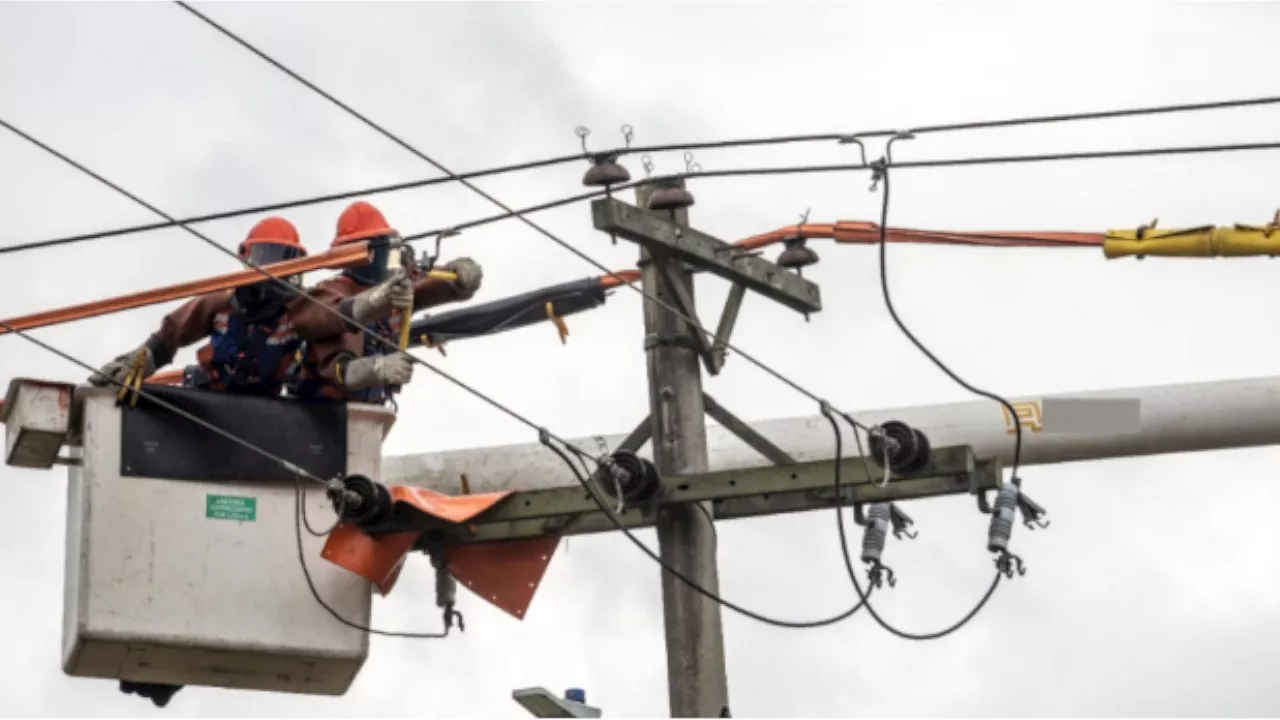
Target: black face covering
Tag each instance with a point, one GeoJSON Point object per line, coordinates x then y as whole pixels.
{"type": "Point", "coordinates": [376, 271]}
{"type": "Point", "coordinates": [262, 300]}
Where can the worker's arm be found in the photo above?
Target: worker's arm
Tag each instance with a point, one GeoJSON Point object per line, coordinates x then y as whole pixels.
{"type": "Point", "coordinates": [430, 291]}
{"type": "Point", "coordinates": [192, 321]}
{"type": "Point", "coordinates": [339, 362]}
{"type": "Point", "coordinates": [318, 314]}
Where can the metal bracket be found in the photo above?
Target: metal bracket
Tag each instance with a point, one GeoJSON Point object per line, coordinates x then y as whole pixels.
{"type": "Point", "coordinates": [660, 234]}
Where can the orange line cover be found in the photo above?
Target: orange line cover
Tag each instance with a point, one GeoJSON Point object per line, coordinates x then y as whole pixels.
{"type": "Point", "coordinates": [336, 259]}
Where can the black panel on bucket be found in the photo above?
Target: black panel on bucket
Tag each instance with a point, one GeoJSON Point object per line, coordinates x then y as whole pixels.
{"type": "Point", "coordinates": [156, 442]}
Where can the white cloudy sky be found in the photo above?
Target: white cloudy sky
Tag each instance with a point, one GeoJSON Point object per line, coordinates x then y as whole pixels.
{"type": "Point", "coordinates": [1153, 592]}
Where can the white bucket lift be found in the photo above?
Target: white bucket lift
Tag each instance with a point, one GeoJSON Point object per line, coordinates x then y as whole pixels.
{"type": "Point", "coordinates": [182, 559]}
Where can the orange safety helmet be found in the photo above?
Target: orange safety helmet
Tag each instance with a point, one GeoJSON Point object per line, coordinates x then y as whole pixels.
{"type": "Point", "coordinates": [271, 241]}
{"type": "Point", "coordinates": [274, 231]}
{"type": "Point", "coordinates": [360, 221]}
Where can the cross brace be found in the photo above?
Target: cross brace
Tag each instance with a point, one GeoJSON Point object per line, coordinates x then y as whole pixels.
{"type": "Point", "coordinates": [735, 493]}
{"type": "Point", "coordinates": [662, 236]}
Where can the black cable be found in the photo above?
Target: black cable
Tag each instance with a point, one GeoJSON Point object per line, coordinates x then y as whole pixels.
{"type": "Point", "coordinates": [1089, 155]}
{"type": "Point", "coordinates": [866, 599]}
{"type": "Point", "coordinates": [471, 186]}
{"type": "Point", "coordinates": [299, 518]}
{"type": "Point", "coordinates": [856, 167]}
{"type": "Point", "coordinates": [703, 145]}
{"type": "Point", "coordinates": [701, 175]}
{"type": "Point", "coordinates": [692, 585]}
{"type": "Point", "coordinates": [166, 405]}
{"type": "Point", "coordinates": [278, 282]}
{"type": "Point", "coordinates": [883, 175]}
{"type": "Point", "coordinates": [1093, 115]}
{"type": "Point", "coordinates": [544, 434]}
{"type": "Point", "coordinates": [285, 205]}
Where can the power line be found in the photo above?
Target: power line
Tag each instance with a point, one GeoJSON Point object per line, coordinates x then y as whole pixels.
{"type": "Point", "coordinates": [510, 214]}
{"type": "Point", "coordinates": [545, 435]}
{"type": "Point", "coordinates": [627, 150]}
{"type": "Point", "coordinates": [466, 183]}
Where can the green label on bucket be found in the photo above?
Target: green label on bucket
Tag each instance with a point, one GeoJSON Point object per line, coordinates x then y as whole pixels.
{"type": "Point", "coordinates": [231, 507]}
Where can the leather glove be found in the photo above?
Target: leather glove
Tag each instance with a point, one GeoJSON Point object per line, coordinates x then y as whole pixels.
{"type": "Point", "coordinates": [119, 368]}
{"type": "Point", "coordinates": [470, 275]}
{"type": "Point", "coordinates": [376, 302]}
{"type": "Point", "coordinates": [367, 372]}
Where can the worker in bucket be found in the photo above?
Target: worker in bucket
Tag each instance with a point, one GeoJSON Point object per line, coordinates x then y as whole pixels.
{"type": "Point", "coordinates": [347, 363]}
{"type": "Point", "coordinates": [253, 339]}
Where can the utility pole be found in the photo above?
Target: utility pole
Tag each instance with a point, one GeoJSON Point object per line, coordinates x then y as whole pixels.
{"type": "Point", "coordinates": [696, 678]}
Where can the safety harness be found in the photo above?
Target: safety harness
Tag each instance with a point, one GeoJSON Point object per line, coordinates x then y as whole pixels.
{"type": "Point", "coordinates": [248, 353]}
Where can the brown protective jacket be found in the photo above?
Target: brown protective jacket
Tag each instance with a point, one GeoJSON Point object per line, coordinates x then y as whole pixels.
{"type": "Point", "coordinates": [333, 340]}
{"type": "Point", "coordinates": [193, 321]}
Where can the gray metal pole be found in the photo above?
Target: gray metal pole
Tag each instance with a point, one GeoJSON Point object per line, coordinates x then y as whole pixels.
{"type": "Point", "coordinates": [696, 677]}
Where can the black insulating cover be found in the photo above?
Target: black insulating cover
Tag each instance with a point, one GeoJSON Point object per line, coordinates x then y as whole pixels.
{"type": "Point", "coordinates": [159, 443]}
{"type": "Point", "coordinates": [509, 313]}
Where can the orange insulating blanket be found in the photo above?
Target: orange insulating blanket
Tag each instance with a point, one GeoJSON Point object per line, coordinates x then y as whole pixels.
{"type": "Point", "coordinates": [506, 574]}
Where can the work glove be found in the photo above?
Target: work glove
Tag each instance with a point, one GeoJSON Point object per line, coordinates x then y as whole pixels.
{"type": "Point", "coordinates": [367, 372]}
{"type": "Point", "coordinates": [119, 368]}
{"type": "Point", "coordinates": [376, 302]}
{"type": "Point", "coordinates": [470, 275]}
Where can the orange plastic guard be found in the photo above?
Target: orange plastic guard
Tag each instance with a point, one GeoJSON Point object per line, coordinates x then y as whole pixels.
{"type": "Point", "coordinates": [858, 231]}
{"type": "Point", "coordinates": [336, 259]}
{"type": "Point", "coordinates": [506, 574]}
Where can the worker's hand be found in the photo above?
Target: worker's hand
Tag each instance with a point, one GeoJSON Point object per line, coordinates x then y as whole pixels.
{"type": "Point", "coordinates": [470, 276]}
{"type": "Point", "coordinates": [119, 368]}
{"type": "Point", "coordinates": [376, 303]}
{"type": "Point", "coordinates": [367, 372]}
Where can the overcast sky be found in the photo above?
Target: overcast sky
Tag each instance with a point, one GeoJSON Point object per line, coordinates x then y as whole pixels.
{"type": "Point", "coordinates": [1152, 593]}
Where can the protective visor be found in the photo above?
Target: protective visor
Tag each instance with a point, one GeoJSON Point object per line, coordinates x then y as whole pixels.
{"type": "Point", "coordinates": [262, 254]}
{"type": "Point", "coordinates": [384, 256]}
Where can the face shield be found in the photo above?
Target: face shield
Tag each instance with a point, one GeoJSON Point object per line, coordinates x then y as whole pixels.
{"type": "Point", "coordinates": [268, 292]}
{"type": "Point", "coordinates": [384, 252]}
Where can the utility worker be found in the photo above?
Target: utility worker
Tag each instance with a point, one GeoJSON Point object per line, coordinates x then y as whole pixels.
{"type": "Point", "coordinates": [348, 364]}
{"type": "Point", "coordinates": [253, 341]}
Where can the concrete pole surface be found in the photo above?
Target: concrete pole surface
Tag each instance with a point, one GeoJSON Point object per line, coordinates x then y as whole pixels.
{"type": "Point", "coordinates": [697, 685]}
{"type": "Point", "coordinates": [1190, 417]}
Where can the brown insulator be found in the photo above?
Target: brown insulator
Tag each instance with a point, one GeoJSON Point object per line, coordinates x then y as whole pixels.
{"type": "Point", "coordinates": [605, 171]}
{"type": "Point", "coordinates": [797, 255]}
{"type": "Point", "coordinates": [670, 197]}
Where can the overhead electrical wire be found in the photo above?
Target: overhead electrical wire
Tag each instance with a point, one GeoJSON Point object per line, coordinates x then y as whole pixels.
{"type": "Point", "coordinates": [632, 150]}
{"type": "Point", "coordinates": [693, 322]}
{"type": "Point", "coordinates": [510, 214]}
{"type": "Point", "coordinates": [391, 136]}
{"type": "Point", "coordinates": [545, 435]}
{"type": "Point", "coordinates": [699, 175]}
{"type": "Point", "coordinates": [542, 431]}
{"type": "Point", "coordinates": [882, 176]}
{"type": "Point", "coordinates": [298, 472]}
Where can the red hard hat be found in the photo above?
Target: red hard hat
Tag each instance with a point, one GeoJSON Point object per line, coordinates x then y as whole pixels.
{"type": "Point", "coordinates": [275, 231]}
{"type": "Point", "coordinates": [360, 221]}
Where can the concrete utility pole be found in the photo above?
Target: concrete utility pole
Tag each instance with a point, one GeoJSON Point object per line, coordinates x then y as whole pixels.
{"type": "Point", "coordinates": [696, 676]}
